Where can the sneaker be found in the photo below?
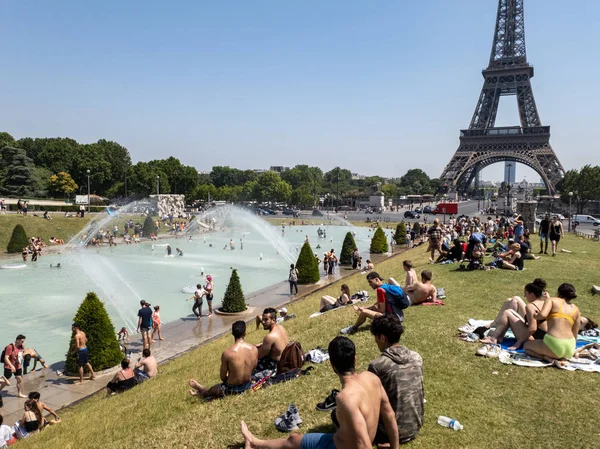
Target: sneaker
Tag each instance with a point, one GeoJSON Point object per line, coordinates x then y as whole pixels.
{"type": "Point", "coordinates": [286, 425]}
{"type": "Point", "coordinates": [348, 330]}
{"type": "Point", "coordinates": [291, 414]}
{"type": "Point", "coordinates": [494, 351]}
{"type": "Point", "coordinates": [329, 402]}
{"type": "Point", "coordinates": [483, 350]}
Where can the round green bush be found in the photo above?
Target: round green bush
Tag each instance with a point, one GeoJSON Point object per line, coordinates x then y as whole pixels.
{"type": "Point", "coordinates": [417, 228]}
{"type": "Point", "coordinates": [234, 301]}
{"type": "Point", "coordinates": [347, 249]}
{"type": "Point", "coordinates": [379, 243]}
{"type": "Point", "coordinates": [102, 341]}
{"type": "Point", "coordinates": [308, 268]}
{"type": "Point", "coordinates": [400, 235]}
{"type": "Point", "coordinates": [149, 227]}
{"type": "Point", "coordinates": [18, 240]}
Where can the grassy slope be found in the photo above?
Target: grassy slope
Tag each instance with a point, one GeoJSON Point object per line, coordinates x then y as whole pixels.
{"type": "Point", "coordinates": [518, 407]}
{"type": "Point", "coordinates": [59, 227]}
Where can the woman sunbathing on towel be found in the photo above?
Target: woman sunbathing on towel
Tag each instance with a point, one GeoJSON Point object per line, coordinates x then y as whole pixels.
{"type": "Point", "coordinates": [525, 329]}
{"type": "Point", "coordinates": [328, 301]}
{"type": "Point", "coordinates": [563, 326]}
{"type": "Point", "coordinates": [515, 303]}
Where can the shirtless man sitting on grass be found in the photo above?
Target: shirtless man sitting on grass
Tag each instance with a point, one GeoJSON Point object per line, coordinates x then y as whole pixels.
{"type": "Point", "coordinates": [237, 363]}
{"type": "Point", "coordinates": [272, 346]}
{"type": "Point", "coordinates": [420, 292]}
{"type": "Point", "coordinates": [360, 404]}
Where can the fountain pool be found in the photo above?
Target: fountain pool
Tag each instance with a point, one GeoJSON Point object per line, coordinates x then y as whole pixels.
{"type": "Point", "coordinates": [40, 302]}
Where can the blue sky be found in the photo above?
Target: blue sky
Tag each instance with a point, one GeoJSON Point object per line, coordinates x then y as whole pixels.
{"type": "Point", "coordinates": [377, 87]}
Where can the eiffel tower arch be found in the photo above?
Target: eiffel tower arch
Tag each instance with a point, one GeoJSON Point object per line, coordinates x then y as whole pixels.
{"type": "Point", "coordinates": [483, 144]}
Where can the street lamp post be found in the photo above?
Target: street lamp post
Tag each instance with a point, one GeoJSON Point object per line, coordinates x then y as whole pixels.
{"type": "Point", "coordinates": [157, 184]}
{"type": "Point", "coordinates": [570, 197]}
{"type": "Point", "coordinates": [89, 204]}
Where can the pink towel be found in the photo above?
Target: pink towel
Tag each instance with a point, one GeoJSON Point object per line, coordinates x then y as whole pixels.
{"type": "Point", "coordinates": [437, 302]}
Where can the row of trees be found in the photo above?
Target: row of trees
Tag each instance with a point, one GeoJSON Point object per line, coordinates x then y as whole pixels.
{"type": "Point", "coordinates": [58, 167]}
{"type": "Point", "coordinates": [584, 184]}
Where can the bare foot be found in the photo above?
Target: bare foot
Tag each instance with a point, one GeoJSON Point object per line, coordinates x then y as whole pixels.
{"type": "Point", "coordinates": [196, 386]}
{"type": "Point", "coordinates": [5, 380]}
{"type": "Point", "coordinates": [92, 377]}
{"type": "Point", "coordinates": [22, 396]}
{"type": "Point", "coordinates": [161, 339]}
{"type": "Point", "coordinates": [488, 341]}
{"type": "Point", "coordinates": [248, 437]}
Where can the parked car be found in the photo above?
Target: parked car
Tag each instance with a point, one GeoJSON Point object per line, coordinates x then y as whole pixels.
{"type": "Point", "coordinates": [586, 219]}
{"type": "Point", "coordinates": [411, 214]}
{"type": "Point", "coordinates": [289, 212]}
{"type": "Point", "coordinates": [269, 211]}
{"type": "Point", "coordinates": [417, 211]}
{"type": "Point", "coordinates": [427, 210]}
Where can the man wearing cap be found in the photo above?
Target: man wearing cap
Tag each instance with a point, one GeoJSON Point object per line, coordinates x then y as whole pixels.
{"type": "Point", "coordinates": [383, 305]}
{"type": "Point", "coordinates": [145, 323]}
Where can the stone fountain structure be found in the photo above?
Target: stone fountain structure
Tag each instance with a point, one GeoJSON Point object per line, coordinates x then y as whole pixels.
{"type": "Point", "coordinates": [169, 204]}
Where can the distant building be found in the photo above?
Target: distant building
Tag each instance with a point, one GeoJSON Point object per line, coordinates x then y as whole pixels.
{"type": "Point", "coordinates": [278, 168]}
{"type": "Point", "coordinates": [357, 177]}
{"type": "Point", "coordinates": [510, 170]}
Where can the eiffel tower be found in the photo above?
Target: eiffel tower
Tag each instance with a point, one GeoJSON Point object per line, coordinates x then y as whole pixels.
{"type": "Point", "coordinates": [483, 144]}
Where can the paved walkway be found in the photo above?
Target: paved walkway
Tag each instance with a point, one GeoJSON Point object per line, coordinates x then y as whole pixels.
{"type": "Point", "coordinates": [180, 336]}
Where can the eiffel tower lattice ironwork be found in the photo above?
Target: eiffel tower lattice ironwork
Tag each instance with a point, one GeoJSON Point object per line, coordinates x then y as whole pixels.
{"type": "Point", "coordinates": [483, 144]}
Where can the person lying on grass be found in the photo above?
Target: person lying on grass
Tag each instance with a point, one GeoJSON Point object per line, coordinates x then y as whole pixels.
{"type": "Point", "coordinates": [272, 346]}
{"type": "Point", "coordinates": [387, 302]}
{"type": "Point", "coordinates": [237, 363]}
{"type": "Point", "coordinates": [419, 292]}
{"type": "Point", "coordinates": [360, 405]}
{"type": "Point", "coordinates": [525, 327]}
{"type": "Point", "coordinates": [563, 326]}
{"type": "Point", "coordinates": [329, 302]}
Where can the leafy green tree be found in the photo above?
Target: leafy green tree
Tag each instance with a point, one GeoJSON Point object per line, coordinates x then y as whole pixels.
{"type": "Point", "coordinates": [308, 268]}
{"type": "Point", "coordinates": [149, 227]}
{"type": "Point", "coordinates": [102, 341]}
{"type": "Point", "coordinates": [234, 301]}
{"type": "Point", "coordinates": [141, 180]}
{"type": "Point", "coordinates": [303, 197]}
{"type": "Point", "coordinates": [270, 187]}
{"type": "Point", "coordinates": [62, 184]}
{"type": "Point", "coordinates": [18, 172]}
{"type": "Point", "coordinates": [39, 181]}
{"type": "Point", "coordinates": [400, 235]}
{"type": "Point", "coordinates": [347, 249]}
{"type": "Point", "coordinates": [6, 140]}
{"type": "Point", "coordinates": [56, 154]}
{"type": "Point", "coordinates": [415, 182]}
{"type": "Point", "coordinates": [18, 240]}
{"type": "Point", "coordinates": [585, 185]}
{"type": "Point", "coordinates": [91, 157]}
{"type": "Point", "coordinates": [379, 243]}
{"type": "Point", "coordinates": [390, 190]}
{"type": "Point", "coordinates": [205, 192]}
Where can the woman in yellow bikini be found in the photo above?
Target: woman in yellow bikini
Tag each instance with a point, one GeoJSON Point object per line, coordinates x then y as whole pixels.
{"type": "Point", "coordinates": [563, 326]}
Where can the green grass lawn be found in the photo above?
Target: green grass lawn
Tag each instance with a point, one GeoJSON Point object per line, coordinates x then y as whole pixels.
{"type": "Point", "coordinates": [499, 405]}
{"type": "Point", "coordinates": [59, 227]}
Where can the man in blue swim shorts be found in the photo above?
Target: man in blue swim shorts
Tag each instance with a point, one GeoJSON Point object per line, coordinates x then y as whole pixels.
{"type": "Point", "coordinates": [83, 356]}
{"type": "Point", "coordinates": [359, 406]}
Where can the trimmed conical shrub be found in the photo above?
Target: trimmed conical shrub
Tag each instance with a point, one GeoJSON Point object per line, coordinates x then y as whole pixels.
{"type": "Point", "coordinates": [102, 341]}
{"type": "Point", "coordinates": [379, 243]}
{"type": "Point", "coordinates": [149, 227]}
{"type": "Point", "coordinates": [234, 300]}
{"type": "Point", "coordinates": [307, 265]}
{"type": "Point", "coordinates": [400, 235]}
{"type": "Point", "coordinates": [417, 228]}
{"type": "Point", "coordinates": [18, 240]}
{"type": "Point", "coordinates": [347, 249]}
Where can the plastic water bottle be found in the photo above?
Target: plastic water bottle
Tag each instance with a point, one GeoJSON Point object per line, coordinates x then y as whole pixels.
{"type": "Point", "coordinates": [449, 422]}
{"type": "Point", "coordinates": [473, 336]}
